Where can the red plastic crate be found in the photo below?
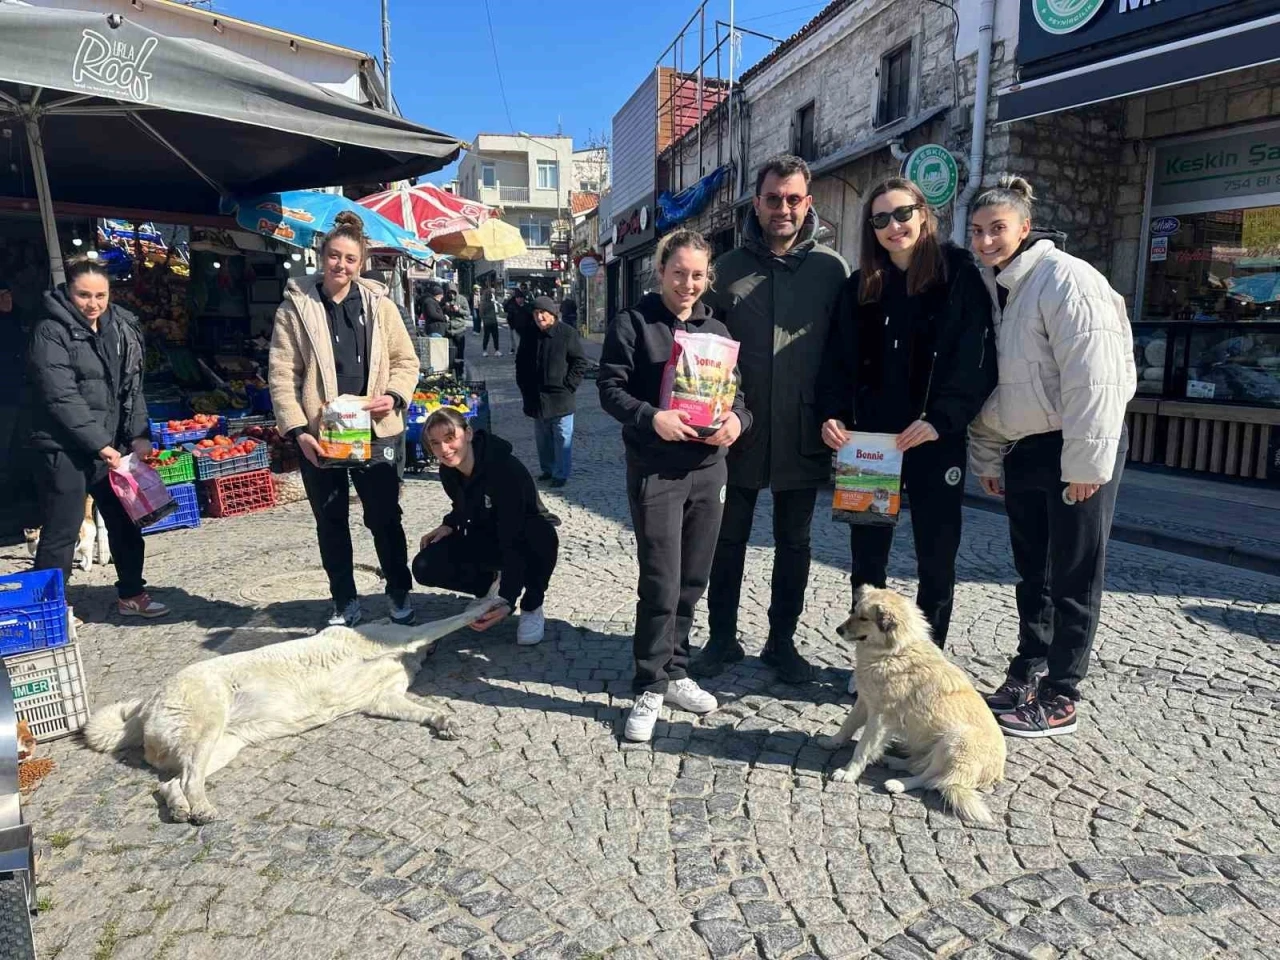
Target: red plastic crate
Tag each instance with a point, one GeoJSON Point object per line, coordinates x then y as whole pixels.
{"type": "Point", "coordinates": [239, 494]}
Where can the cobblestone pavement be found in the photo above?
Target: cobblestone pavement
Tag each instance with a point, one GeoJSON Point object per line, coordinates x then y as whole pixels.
{"type": "Point", "coordinates": [1152, 833]}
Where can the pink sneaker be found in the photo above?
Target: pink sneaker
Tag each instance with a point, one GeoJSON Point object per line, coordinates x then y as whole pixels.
{"type": "Point", "coordinates": [142, 606]}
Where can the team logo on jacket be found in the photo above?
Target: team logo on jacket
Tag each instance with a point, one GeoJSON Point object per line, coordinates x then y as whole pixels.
{"type": "Point", "coordinates": [952, 476]}
{"type": "Point", "coordinates": [388, 453]}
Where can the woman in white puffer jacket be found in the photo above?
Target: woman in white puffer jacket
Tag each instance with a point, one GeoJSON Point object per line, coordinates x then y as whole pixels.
{"type": "Point", "coordinates": [1051, 439]}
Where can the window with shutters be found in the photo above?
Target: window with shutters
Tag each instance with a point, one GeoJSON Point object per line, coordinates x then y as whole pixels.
{"type": "Point", "coordinates": [804, 147]}
{"type": "Point", "coordinates": [895, 86]}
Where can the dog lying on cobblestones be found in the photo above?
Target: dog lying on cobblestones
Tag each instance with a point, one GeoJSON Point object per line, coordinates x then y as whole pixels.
{"type": "Point", "coordinates": [197, 721]}
{"type": "Point", "coordinates": [909, 691]}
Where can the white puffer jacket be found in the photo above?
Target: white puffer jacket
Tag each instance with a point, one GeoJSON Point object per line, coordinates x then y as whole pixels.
{"type": "Point", "coordinates": [1065, 355]}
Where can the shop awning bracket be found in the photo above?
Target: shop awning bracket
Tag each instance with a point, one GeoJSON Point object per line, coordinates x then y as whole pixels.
{"type": "Point", "coordinates": [137, 119]}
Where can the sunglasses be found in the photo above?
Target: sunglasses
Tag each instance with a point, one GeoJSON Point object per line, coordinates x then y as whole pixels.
{"type": "Point", "coordinates": [901, 214]}
{"type": "Point", "coordinates": [775, 201]}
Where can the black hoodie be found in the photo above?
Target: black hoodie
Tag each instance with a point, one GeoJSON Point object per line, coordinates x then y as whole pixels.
{"type": "Point", "coordinates": [497, 503]}
{"type": "Point", "coordinates": [85, 387]}
{"type": "Point", "coordinates": [636, 350]}
{"type": "Point", "coordinates": [906, 358]}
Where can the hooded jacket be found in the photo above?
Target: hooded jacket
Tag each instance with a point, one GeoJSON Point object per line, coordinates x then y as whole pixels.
{"type": "Point", "coordinates": [497, 502]}
{"type": "Point", "coordinates": [85, 386]}
{"type": "Point", "coordinates": [550, 366]}
{"type": "Point", "coordinates": [779, 310]}
{"type": "Point", "coordinates": [1065, 354]}
{"type": "Point", "coordinates": [942, 340]}
{"type": "Point", "coordinates": [301, 370]}
{"type": "Point", "coordinates": [436, 320]}
{"type": "Point", "coordinates": [635, 354]}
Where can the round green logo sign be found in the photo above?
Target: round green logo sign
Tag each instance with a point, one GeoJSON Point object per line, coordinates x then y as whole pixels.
{"type": "Point", "coordinates": [1064, 16]}
{"type": "Point", "coordinates": [934, 171]}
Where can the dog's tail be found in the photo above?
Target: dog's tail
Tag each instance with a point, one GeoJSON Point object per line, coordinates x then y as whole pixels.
{"type": "Point", "coordinates": [966, 802]}
{"type": "Point", "coordinates": [115, 727]}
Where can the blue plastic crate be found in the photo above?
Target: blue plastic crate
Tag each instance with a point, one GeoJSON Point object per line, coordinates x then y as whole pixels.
{"type": "Point", "coordinates": [33, 612]}
{"type": "Point", "coordinates": [163, 410]}
{"type": "Point", "coordinates": [187, 514]}
{"type": "Point", "coordinates": [167, 439]}
{"type": "Point", "coordinates": [207, 469]}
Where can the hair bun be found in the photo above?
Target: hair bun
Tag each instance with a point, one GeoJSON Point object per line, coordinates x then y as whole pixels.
{"type": "Point", "coordinates": [1018, 185]}
{"type": "Point", "coordinates": [349, 220]}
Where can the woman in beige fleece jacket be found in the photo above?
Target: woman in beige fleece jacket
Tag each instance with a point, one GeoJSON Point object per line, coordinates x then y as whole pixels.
{"type": "Point", "coordinates": [337, 334]}
{"type": "Point", "coordinates": [1050, 439]}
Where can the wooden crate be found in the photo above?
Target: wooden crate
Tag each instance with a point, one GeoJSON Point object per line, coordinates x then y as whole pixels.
{"type": "Point", "coordinates": [1204, 437]}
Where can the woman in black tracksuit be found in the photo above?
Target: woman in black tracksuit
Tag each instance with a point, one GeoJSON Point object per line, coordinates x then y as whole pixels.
{"type": "Point", "coordinates": [911, 353]}
{"type": "Point", "coordinates": [498, 540]}
{"type": "Point", "coordinates": [675, 477]}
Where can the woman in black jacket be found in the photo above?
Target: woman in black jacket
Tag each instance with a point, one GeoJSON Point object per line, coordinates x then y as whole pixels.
{"type": "Point", "coordinates": [84, 369]}
{"type": "Point", "coordinates": [433, 319]}
{"type": "Point", "coordinates": [911, 353]}
{"type": "Point", "coordinates": [498, 540]}
{"type": "Point", "coordinates": [675, 477]}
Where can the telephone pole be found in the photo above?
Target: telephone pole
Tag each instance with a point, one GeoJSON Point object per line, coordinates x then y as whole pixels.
{"type": "Point", "coordinates": [386, 54]}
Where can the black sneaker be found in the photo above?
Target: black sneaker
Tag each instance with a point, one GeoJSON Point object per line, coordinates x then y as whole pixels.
{"type": "Point", "coordinates": [786, 661]}
{"type": "Point", "coordinates": [1052, 716]}
{"type": "Point", "coordinates": [401, 609]}
{"type": "Point", "coordinates": [716, 656]}
{"type": "Point", "coordinates": [1011, 695]}
{"type": "Point", "coordinates": [544, 477]}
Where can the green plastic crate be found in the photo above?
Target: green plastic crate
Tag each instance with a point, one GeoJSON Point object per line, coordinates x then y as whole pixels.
{"type": "Point", "coordinates": [180, 469]}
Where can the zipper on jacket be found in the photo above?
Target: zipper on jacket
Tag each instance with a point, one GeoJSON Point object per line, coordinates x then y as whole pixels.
{"type": "Point", "coordinates": [928, 384]}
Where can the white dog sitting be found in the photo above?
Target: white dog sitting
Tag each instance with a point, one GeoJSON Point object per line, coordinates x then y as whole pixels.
{"type": "Point", "coordinates": [197, 721]}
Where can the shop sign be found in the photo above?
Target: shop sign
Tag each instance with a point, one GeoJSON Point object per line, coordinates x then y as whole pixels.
{"type": "Point", "coordinates": [1221, 168]}
{"type": "Point", "coordinates": [1159, 249]}
{"type": "Point", "coordinates": [114, 68]}
{"type": "Point", "coordinates": [633, 229]}
{"type": "Point", "coordinates": [1067, 16]}
{"type": "Point", "coordinates": [934, 171]}
{"type": "Point", "coordinates": [1165, 226]}
{"type": "Point", "coordinates": [588, 267]}
{"type": "Point", "coordinates": [1261, 229]}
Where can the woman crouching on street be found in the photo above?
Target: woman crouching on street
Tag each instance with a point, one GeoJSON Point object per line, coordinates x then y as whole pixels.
{"type": "Point", "coordinates": [1054, 428]}
{"type": "Point", "coordinates": [85, 366]}
{"type": "Point", "coordinates": [338, 334]}
{"type": "Point", "coordinates": [499, 540]}
{"type": "Point", "coordinates": [911, 353]}
{"type": "Point", "coordinates": [675, 478]}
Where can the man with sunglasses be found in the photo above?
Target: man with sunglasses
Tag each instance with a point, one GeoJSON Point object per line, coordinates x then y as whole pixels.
{"type": "Point", "coordinates": [775, 293]}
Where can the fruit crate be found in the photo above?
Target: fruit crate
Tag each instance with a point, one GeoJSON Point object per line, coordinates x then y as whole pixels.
{"type": "Point", "coordinates": [239, 494]}
{"type": "Point", "coordinates": [187, 514]}
{"type": "Point", "coordinates": [33, 612]}
{"type": "Point", "coordinates": [49, 690]}
{"type": "Point", "coordinates": [209, 469]}
{"type": "Point", "coordinates": [163, 437]}
{"type": "Point", "coordinates": [178, 469]}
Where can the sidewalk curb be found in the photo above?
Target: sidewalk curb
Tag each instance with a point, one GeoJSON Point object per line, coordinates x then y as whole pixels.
{"type": "Point", "coordinates": [1259, 561]}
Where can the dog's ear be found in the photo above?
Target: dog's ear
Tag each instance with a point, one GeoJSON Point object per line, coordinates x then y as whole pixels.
{"type": "Point", "coordinates": [887, 621]}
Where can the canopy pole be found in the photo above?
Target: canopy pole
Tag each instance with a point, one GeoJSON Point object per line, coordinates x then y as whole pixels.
{"type": "Point", "coordinates": [35, 142]}
{"type": "Point", "coordinates": [222, 192]}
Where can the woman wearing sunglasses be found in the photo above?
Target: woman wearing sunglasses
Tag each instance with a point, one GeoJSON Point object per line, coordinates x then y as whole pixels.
{"type": "Point", "coordinates": [911, 353]}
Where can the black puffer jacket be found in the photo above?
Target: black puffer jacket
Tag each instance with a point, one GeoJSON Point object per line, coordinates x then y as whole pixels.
{"type": "Point", "coordinates": [435, 319]}
{"type": "Point", "coordinates": [85, 386]}
{"type": "Point", "coordinates": [902, 358]}
{"type": "Point", "coordinates": [550, 366]}
{"type": "Point", "coordinates": [497, 503]}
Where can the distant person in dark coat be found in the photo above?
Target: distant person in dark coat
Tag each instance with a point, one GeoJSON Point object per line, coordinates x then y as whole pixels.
{"type": "Point", "coordinates": [549, 369]}
{"type": "Point", "coordinates": [519, 316]}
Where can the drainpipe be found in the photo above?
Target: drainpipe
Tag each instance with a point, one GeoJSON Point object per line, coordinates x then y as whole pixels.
{"type": "Point", "coordinates": [977, 149]}
{"type": "Point", "coordinates": [898, 150]}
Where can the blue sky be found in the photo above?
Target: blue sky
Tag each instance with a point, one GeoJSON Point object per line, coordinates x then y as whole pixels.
{"type": "Point", "coordinates": [572, 63]}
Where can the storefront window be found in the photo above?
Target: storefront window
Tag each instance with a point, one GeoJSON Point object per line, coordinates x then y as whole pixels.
{"type": "Point", "coordinates": [1236, 364]}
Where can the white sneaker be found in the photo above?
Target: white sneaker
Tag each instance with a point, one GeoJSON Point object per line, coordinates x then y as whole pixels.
{"type": "Point", "coordinates": [347, 617]}
{"type": "Point", "coordinates": [493, 588]}
{"type": "Point", "coordinates": [533, 624]}
{"type": "Point", "coordinates": [685, 694]}
{"type": "Point", "coordinates": [643, 717]}
{"type": "Point", "coordinates": [853, 682]}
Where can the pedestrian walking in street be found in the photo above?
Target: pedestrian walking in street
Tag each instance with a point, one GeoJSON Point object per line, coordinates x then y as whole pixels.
{"type": "Point", "coordinates": [675, 478]}
{"type": "Point", "coordinates": [475, 309]}
{"type": "Point", "coordinates": [337, 333]}
{"type": "Point", "coordinates": [85, 365]}
{"type": "Point", "coordinates": [519, 316]}
{"type": "Point", "coordinates": [1052, 441]}
{"type": "Point", "coordinates": [569, 312]}
{"type": "Point", "coordinates": [459, 318]}
{"type": "Point", "coordinates": [549, 369]}
{"type": "Point", "coordinates": [489, 309]}
{"type": "Point", "coordinates": [498, 540]}
{"type": "Point", "coordinates": [775, 294]}
{"type": "Point", "coordinates": [911, 352]}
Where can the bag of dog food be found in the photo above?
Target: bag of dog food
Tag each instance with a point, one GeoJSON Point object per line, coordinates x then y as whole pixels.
{"type": "Point", "coordinates": [701, 378]}
{"type": "Point", "coordinates": [868, 480]}
{"type": "Point", "coordinates": [141, 492]}
{"type": "Point", "coordinates": [346, 432]}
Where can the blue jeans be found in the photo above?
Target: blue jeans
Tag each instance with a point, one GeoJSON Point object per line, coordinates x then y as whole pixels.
{"type": "Point", "coordinates": [554, 436]}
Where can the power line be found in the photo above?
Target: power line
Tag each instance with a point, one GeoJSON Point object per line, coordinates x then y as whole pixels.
{"type": "Point", "coordinates": [778, 13]}
{"type": "Point", "coordinates": [497, 66]}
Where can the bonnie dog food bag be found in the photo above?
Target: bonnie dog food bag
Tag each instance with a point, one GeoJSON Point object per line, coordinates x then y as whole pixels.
{"type": "Point", "coordinates": [346, 432]}
{"type": "Point", "coordinates": [868, 480]}
{"type": "Point", "coordinates": [701, 378]}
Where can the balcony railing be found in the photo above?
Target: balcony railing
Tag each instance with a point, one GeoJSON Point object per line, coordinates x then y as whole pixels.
{"type": "Point", "coordinates": [513, 194]}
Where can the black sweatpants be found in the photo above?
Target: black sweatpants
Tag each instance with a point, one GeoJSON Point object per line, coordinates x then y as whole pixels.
{"type": "Point", "coordinates": [792, 522]}
{"type": "Point", "coordinates": [676, 517]}
{"type": "Point", "coordinates": [459, 356]}
{"type": "Point", "coordinates": [1060, 552]}
{"type": "Point", "coordinates": [491, 333]}
{"type": "Point", "coordinates": [468, 564]}
{"type": "Point", "coordinates": [933, 476]}
{"type": "Point", "coordinates": [63, 487]}
{"type": "Point", "coordinates": [378, 486]}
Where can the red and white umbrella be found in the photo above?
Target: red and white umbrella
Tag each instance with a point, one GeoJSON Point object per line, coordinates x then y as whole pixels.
{"type": "Point", "coordinates": [428, 211]}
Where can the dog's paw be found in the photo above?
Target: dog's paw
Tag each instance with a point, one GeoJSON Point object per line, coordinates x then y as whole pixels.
{"type": "Point", "coordinates": [202, 815]}
{"type": "Point", "coordinates": [831, 743]}
{"type": "Point", "coordinates": [180, 814]}
{"type": "Point", "coordinates": [447, 728]}
{"type": "Point", "coordinates": [895, 786]}
{"type": "Point", "coordinates": [845, 775]}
